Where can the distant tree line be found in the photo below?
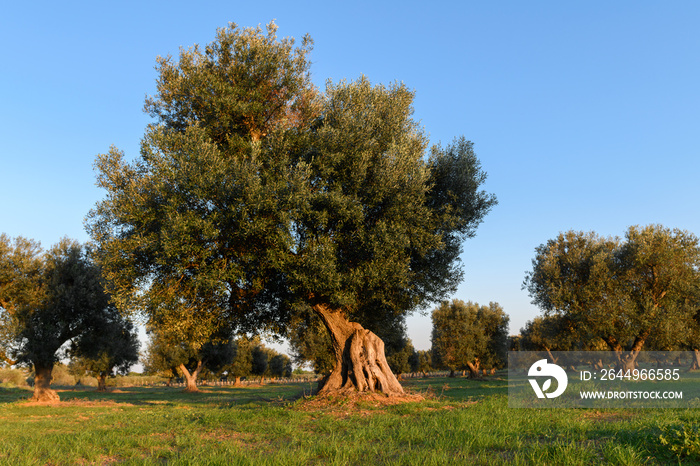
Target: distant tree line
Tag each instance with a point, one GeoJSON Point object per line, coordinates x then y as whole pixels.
{"type": "Point", "coordinates": [232, 358]}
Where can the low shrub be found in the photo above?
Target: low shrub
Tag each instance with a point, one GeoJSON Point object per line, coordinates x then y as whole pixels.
{"type": "Point", "coordinates": [682, 439]}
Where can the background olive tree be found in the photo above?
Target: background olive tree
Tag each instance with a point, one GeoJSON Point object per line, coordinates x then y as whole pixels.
{"type": "Point", "coordinates": [110, 347]}
{"type": "Point", "coordinates": [171, 356]}
{"type": "Point", "coordinates": [629, 293]}
{"type": "Point", "coordinates": [469, 336]}
{"type": "Point", "coordinates": [47, 299]}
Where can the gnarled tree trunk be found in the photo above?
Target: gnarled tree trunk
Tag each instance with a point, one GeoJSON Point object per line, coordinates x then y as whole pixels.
{"type": "Point", "coordinates": [191, 378]}
{"type": "Point", "coordinates": [360, 360]}
{"type": "Point", "coordinates": [102, 382]}
{"type": "Point", "coordinates": [626, 360]}
{"type": "Point", "coordinates": [551, 356]}
{"type": "Point", "coordinates": [42, 383]}
{"type": "Point", "coordinates": [696, 361]}
{"type": "Point", "coordinates": [474, 369]}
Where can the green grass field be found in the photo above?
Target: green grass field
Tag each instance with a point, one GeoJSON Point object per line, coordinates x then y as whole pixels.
{"type": "Point", "coordinates": [462, 421]}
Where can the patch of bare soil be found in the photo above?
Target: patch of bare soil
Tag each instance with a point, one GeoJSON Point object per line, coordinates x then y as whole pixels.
{"type": "Point", "coordinates": [606, 416]}
{"type": "Point", "coordinates": [103, 459]}
{"type": "Point", "coordinates": [463, 404]}
{"type": "Point", "coordinates": [348, 402]}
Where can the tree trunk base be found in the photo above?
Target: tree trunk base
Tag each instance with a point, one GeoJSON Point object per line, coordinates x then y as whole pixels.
{"type": "Point", "coordinates": [350, 400]}
{"type": "Point", "coordinates": [361, 364]}
{"type": "Point", "coordinates": [42, 385]}
{"type": "Point", "coordinates": [473, 368]}
{"type": "Point", "coordinates": [627, 363]}
{"type": "Point", "coordinates": [102, 383]}
{"type": "Point", "coordinates": [191, 377]}
{"type": "Point", "coordinates": [696, 361]}
{"type": "Point", "coordinates": [45, 396]}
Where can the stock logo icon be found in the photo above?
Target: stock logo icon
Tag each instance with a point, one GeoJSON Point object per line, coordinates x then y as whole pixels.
{"type": "Point", "coordinates": [542, 368]}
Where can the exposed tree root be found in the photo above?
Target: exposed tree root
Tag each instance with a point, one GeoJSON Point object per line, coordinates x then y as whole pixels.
{"type": "Point", "coordinates": [45, 396]}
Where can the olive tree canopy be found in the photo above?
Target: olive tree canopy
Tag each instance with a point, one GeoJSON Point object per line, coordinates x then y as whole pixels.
{"type": "Point", "coordinates": [256, 197]}
{"type": "Point", "coordinates": [469, 336]}
{"type": "Point", "coordinates": [47, 298]}
{"type": "Point", "coordinates": [626, 292]}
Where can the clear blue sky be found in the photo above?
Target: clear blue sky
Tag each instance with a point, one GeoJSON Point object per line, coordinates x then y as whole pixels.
{"type": "Point", "coordinates": [586, 115]}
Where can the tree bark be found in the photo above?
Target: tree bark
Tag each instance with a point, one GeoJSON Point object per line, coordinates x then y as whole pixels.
{"type": "Point", "coordinates": [627, 361]}
{"type": "Point", "coordinates": [42, 384]}
{"type": "Point", "coordinates": [360, 362]}
{"type": "Point", "coordinates": [237, 382]}
{"type": "Point", "coordinates": [696, 361]}
{"type": "Point", "coordinates": [473, 369]}
{"type": "Point", "coordinates": [102, 382]}
{"type": "Point", "coordinates": [191, 378]}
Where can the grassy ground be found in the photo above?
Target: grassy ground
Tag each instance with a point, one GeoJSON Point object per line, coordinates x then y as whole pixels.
{"type": "Point", "coordinates": [462, 421]}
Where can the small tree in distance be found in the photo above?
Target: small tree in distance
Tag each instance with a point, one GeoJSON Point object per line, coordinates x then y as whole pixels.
{"type": "Point", "coordinates": [421, 361]}
{"type": "Point", "coordinates": [21, 272]}
{"type": "Point", "coordinates": [260, 359]}
{"type": "Point", "coordinates": [469, 336]}
{"type": "Point", "coordinates": [47, 299]}
{"type": "Point", "coordinates": [310, 343]}
{"type": "Point", "coordinates": [158, 360]}
{"type": "Point", "coordinates": [693, 341]}
{"type": "Point", "coordinates": [173, 356]}
{"type": "Point", "coordinates": [112, 345]}
{"type": "Point", "coordinates": [400, 361]}
{"type": "Point", "coordinates": [280, 366]}
{"type": "Point", "coordinates": [242, 362]}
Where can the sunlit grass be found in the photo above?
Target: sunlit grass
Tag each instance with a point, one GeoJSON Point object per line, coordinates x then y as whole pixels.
{"type": "Point", "coordinates": [461, 421]}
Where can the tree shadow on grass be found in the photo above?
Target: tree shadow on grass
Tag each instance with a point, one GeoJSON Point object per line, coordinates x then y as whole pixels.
{"type": "Point", "coordinates": [245, 397]}
{"type": "Point", "coordinates": [13, 394]}
{"type": "Point", "coordinates": [669, 436]}
{"type": "Point", "coordinates": [210, 396]}
{"type": "Point", "coordinates": [458, 388]}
